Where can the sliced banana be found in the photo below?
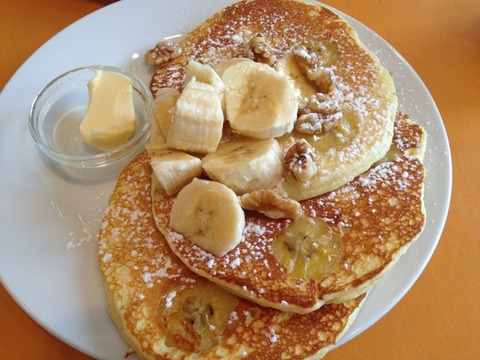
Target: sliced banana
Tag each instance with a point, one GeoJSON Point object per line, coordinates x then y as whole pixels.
{"type": "Point", "coordinates": [197, 121]}
{"type": "Point", "coordinates": [308, 249]}
{"type": "Point", "coordinates": [163, 106]}
{"type": "Point", "coordinates": [156, 136]}
{"type": "Point", "coordinates": [156, 147]}
{"type": "Point", "coordinates": [209, 214]}
{"type": "Point", "coordinates": [195, 319]}
{"type": "Point", "coordinates": [206, 74]}
{"type": "Point", "coordinates": [260, 103]}
{"type": "Point", "coordinates": [174, 169]}
{"type": "Point", "coordinates": [245, 166]}
{"type": "Point", "coordinates": [223, 64]}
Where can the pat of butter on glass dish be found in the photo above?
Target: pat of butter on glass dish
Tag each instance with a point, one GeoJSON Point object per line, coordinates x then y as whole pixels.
{"type": "Point", "coordinates": [58, 111]}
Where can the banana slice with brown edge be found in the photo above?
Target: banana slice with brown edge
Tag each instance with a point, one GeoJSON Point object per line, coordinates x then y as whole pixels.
{"type": "Point", "coordinates": [194, 319]}
{"type": "Point", "coordinates": [308, 249]}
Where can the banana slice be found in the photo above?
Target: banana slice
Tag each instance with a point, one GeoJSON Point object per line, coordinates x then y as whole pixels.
{"type": "Point", "coordinates": [197, 119]}
{"type": "Point", "coordinates": [204, 73]}
{"type": "Point", "coordinates": [195, 319]}
{"type": "Point", "coordinates": [156, 136]}
{"type": "Point", "coordinates": [245, 166]}
{"type": "Point", "coordinates": [223, 64]}
{"type": "Point", "coordinates": [174, 169]}
{"type": "Point", "coordinates": [209, 214]}
{"type": "Point", "coordinates": [260, 103]}
{"type": "Point", "coordinates": [163, 105]}
{"type": "Point", "coordinates": [308, 249]}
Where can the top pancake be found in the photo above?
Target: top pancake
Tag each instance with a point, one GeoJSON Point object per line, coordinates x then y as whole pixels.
{"type": "Point", "coordinates": [376, 217]}
{"type": "Point", "coordinates": [143, 280]}
{"type": "Point", "coordinates": [362, 87]}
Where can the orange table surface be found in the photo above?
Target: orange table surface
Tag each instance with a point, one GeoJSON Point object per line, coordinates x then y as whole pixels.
{"type": "Point", "coordinates": [439, 318]}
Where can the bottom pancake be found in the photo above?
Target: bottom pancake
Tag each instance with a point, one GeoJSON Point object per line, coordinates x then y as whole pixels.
{"type": "Point", "coordinates": [165, 311]}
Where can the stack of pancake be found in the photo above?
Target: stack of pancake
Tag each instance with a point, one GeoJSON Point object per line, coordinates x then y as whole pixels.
{"type": "Point", "coordinates": [292, 286]}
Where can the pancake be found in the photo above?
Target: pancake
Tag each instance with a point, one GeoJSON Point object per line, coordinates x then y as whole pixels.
{"type": "Point", "coordinates": [346, 73]}
{"type": "Point", "coordinates": [157, 303]}
{"type": "Point", "coordinates": [353, 235]}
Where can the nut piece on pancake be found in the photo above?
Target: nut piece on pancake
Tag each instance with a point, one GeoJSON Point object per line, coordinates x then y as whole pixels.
{"type": "Point", "coordinates": [319, 114]}
{"type": "Point", "coordinates": [271, 204]}
{"type": "Point", "coordinates": [163, 52]}
{"type": "Point", "coordinates": [258, 49]}
{"type": "Point", "coordinates": [300, 161]}
{"type": "Point", "coordinates": [315, 58]}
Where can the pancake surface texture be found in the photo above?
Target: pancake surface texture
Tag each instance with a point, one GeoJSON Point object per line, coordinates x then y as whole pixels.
{"type": "Point", "coordinates": [150, 295]}
{"type": "Point", "coordinates": [374, 219]}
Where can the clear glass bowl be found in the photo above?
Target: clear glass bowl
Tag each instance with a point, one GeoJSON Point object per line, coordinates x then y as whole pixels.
{"type": "Point", "coordinates": [59, 108]}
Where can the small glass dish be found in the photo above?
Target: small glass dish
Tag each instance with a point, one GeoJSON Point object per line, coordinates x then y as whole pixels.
{"type": "Point", "coordinates": [58, 110]}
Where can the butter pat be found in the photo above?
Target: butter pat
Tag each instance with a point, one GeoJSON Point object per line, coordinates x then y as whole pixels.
{"type": "Point", "coordinates": [110, 118]}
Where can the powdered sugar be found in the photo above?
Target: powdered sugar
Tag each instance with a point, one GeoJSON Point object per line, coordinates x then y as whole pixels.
{"type": "Point", "coordinates": [169, 298]}
{"type": "Point", "coordinates": [255, 229]}
{"type": "Point", "coordinates": [273, 336]}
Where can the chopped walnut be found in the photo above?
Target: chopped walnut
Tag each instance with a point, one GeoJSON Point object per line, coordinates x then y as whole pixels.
{"type": "Point", "coordinates": [164, 51]}
{"type": "Point", "coordinates": [322, 77]}
{"type": "Point", "coordinates": [259, 50]}
{"type": "Point", "coordinates": [310, 57]}
{"type": "Point", "coordinates": [319, 114]}
{"type": "Point", "coordinates": [300, 161]}
{"type": "Point", "coordinates": [271, 204]}
{"type": "Point", "coordinates": [315, 53]}
{"type": "Point", "coordinates": [307, 55]}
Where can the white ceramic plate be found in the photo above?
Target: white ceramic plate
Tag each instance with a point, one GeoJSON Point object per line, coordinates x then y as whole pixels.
{"type": "Point", "coordinates": [50, 216]}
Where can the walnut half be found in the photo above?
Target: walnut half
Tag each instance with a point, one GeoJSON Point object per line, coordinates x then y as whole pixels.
{"type": "Point", "coordinates": [315, 59]}
{"type": "Point", "coordinates": [271, 204]}
{"type": "Point", "coordinates": [259, 50]}
{"type": "Point", "coordinates": [318, 115]}
{"type": "Point", "coordinates": [164, 51]}
{"type": "Point", "coordinates": [300, 161]}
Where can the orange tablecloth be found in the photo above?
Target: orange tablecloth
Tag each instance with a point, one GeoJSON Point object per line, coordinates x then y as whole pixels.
{"type": "Point", "coordinates": [440, 317]}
